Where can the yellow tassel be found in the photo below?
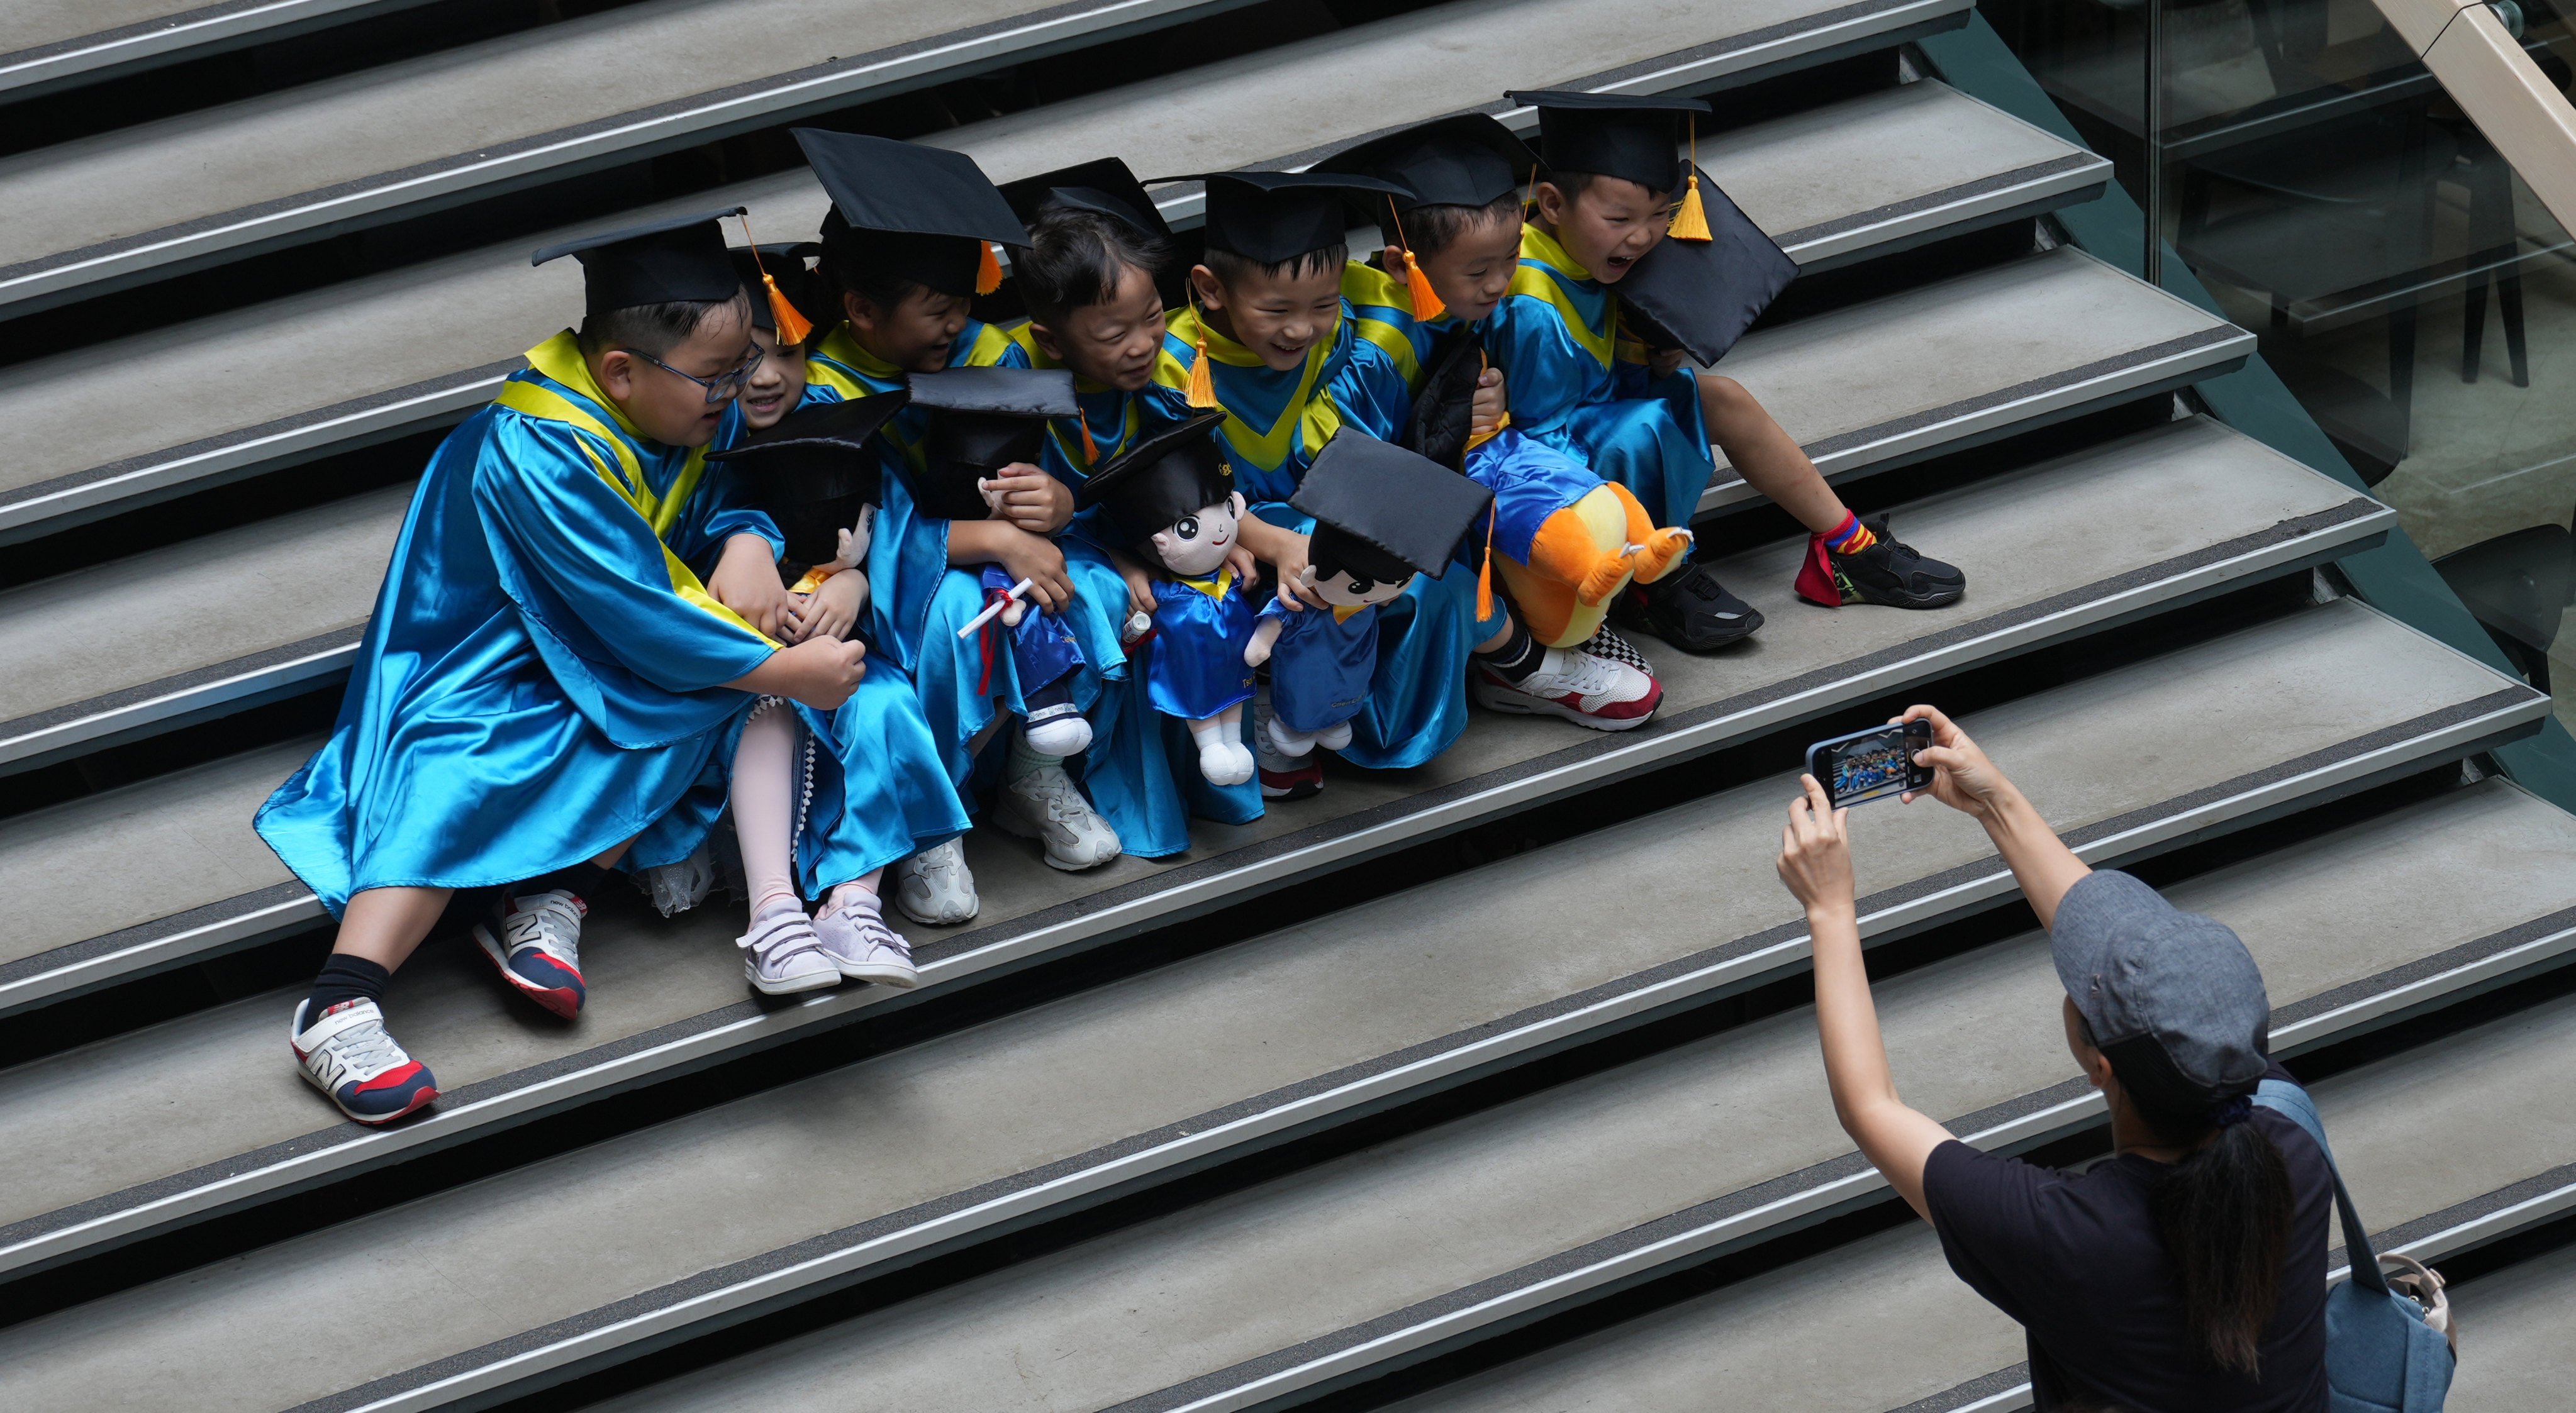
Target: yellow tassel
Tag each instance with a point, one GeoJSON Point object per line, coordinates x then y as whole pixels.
{"type": "Point", "coordinates": [988, 271]}
{"type": "Point", "coordinates": [1690, 219]}
{"type": "Point", "coordinates": [1485, 573]}
{"type": "Point", "coordinates": [1202, 388]}
{"type": "Point", "coordinates": [793, 329]}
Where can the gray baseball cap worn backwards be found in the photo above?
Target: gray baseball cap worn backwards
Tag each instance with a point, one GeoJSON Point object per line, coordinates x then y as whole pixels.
{"type": "Point", "coordinates": [2172, 998]}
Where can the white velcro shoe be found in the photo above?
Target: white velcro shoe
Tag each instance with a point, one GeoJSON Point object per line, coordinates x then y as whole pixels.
{"type": "Point", "coordinates": [1045, 805]}
{"type": "Point", "coordinates": [935, 888]}
{"type": "Point", "coordinates": [782, 956]}
{"type": "Point", "coordinates": [862, 947]}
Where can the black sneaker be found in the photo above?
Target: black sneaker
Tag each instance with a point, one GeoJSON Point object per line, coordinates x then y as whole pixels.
{"type": "Point", "coordinates": [1891, 573]}
{"type": "Point", "coordinates": [1689, 610]}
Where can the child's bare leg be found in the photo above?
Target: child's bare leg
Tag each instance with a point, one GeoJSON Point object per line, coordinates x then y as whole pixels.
{"type": "Point", "coordinates": [383, 925]}
{"type": "Point", "coordinates": [1766, 456]}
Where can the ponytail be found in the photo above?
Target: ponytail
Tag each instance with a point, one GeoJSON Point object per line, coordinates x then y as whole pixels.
{"type": "Point", "coordinates": [2223, 1214]}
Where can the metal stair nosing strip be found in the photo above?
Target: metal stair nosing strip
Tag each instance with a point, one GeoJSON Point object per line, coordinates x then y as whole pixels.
{"type": "Point", "coordinates": [150, 708]}
{"type": "Point", "coordinates": [107, 265]}
{"type": "Point", "coordinates": [1105, 917]}
{"type": "Point", "coordinates": [568, 1347]}
{"type": "Point", "coordinates": [1732, 1222]}
{"type": "Point", "coordinates": [1746, 1219]}
{"type": "Point", "coordinates": [76, 497]}
{"type": "Point", "coordinates": [184, 34]}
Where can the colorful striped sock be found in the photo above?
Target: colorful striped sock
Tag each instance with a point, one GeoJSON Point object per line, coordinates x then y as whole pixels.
{"type": "Point", "coordinates": [1850, 537]}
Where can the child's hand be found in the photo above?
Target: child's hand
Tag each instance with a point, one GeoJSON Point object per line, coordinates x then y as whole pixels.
{"type": "Point", "coordinates": [1289, 558]}
{"type": "Point", "coordinates": [1036, 559]}
{"type": "Point", "coordinates": [1662, 361]}
{"type": "Point", "coordinates": [746, 581]}
{"type": "Point", "coordinates": [1485, 411]}
{"type": "Point", "coordinates": [1029, 499]}
{"type": "Point", "coordinates": [1240, 560]}
{"type": "Point", "coordinates": [1140, 585]}
{"type": "Point", "coordinates": [820, 673]}
{"type": "Point", "coordinates": [832, 610]}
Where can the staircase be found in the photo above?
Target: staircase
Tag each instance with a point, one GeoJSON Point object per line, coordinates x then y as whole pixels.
{"type": "Point", "coordinates": [1486, 1086]}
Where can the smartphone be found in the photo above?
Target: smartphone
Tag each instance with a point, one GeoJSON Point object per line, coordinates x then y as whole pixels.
{"type": "Point", "coordinates": [1872, 764]}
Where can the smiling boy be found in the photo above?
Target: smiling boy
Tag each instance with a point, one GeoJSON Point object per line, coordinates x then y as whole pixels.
{"type": "Point", "coordinates": [1579, 380]}
{"type": "Point", "coordinates": [545, 676]}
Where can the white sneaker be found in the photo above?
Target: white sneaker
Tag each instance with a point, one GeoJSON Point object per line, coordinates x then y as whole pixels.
{"type": "Point", "coordinates": [862, 947]}
{"type": "Point", "coordinates": [1045, 805]}
{"type": "Point", "coordinates": [348, 1055]}
{"type": "Point", "coordinates": [935, 888]}
{"type": "Point", "coordinates": [782, 956]}
{"type": "Point", "coordinates": [1573, 684]}
{"type": "Point", "coordinates": [534, 941]}
{"type": "Point", "coordinates": [1058, 730]}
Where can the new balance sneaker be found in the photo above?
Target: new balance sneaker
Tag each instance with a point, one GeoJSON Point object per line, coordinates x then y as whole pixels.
{"type": "Point", "coordinates": [1889, 572]}
{"type": "Point", "coordinates": [1046, 806]}
{"type": "Point", "coordinates": [1689, 610]}
{"type": "Point", "coordinates": [862, 947]}
{"type": "Point", "coordinates": [1571, 683]}
{"type": "Point", "coordinates": [782, 955]}
{"type": "Point", "coordinates": [534, 941]}
{"type": "Point", "coordinates": [935, 888]}
{"type": "Point", "coordinates": [347, 1054]}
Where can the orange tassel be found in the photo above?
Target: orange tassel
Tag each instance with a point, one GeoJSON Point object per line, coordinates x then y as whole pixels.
{"type": "Point", "coordinates": [1690, 219]}
{"type": "Point", "coordinates": [988, 271]}
{"type": "Point", "coordinates": [793, 329]}
{"type": "Point", "coordinates": [1090, 448]}
{"type": "Point", "coordinates": [1417, 285]}
{"type": "Point", "coordinates": [1485, 572]}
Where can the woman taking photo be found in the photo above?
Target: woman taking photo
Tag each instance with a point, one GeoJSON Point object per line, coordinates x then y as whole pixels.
{"type": "Point", "coordinates": [2187, 1272]}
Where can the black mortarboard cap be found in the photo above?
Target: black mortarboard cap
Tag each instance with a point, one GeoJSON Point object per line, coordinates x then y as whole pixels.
{"type": "Point", "coordinates": [815, 468]}
{"type": "Point", "coordinates": [786, 265]}
{"type": "Point", "coordinates": [922, 213]}
{"type": "Point", "coordinates": [1105, 187]}
{"type": "Point", "coordinates": [1700, 296]}
{"type": "Point", "coordinates": [1274, 217]}
{"type": "Point", "coordinates": [1173, 471]}
{"type": "Point", "coordinates": [662, 262]}
{"type": "Point", "coordinates": [1384, 513]}
{"type": "Point", "coordinates": [1632, 137]}
{"type": "Point", "coordinates": [980, 420]}
{"type": "Point", "coordinates": [1465, 159]}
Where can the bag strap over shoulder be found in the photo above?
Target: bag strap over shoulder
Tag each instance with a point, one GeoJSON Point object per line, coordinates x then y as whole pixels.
{"type": "Point", "coordinates": [2293, 1103]}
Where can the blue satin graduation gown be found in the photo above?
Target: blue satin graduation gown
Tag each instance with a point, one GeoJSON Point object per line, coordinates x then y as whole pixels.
{"type": "Point", "coordinates": [1322, 664]}
{"type": "Point", "coordinates": [1579, 384]}
{"type": "Point", "coordinates": [1195, 665]}
{"type": "Point", "coordinates": [918, 600]}
{"type": "Point", "coordinates": [541, 677]}
{"type": "Point", "coordinates": [1142, 771]}
{"type": "Point", "coordinates": [1276, 421]}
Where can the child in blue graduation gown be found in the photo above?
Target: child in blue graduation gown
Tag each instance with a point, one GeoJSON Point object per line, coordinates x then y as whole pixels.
{"type": "Point", "coordinates": [909, 241]}
{"type": "Point", "coordinates": [1091, 279]}
{"type": "Point", "coordinates": [546, 680]}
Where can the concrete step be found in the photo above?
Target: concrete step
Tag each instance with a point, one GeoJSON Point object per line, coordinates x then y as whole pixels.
{"type": "Point", "coordinates": [2206, 509]}
{"type": "Point", "coordinates": [534, 1273]}
{"type": "Point", "coordinates": [1895, 380]}
{"type": "Point", "coordinates": [52, 44]}
{"type": "Point", "coordinates": [619, 85]}
{"type": "Point", "coordinates": [1278, 1293]}
{"type": "Point", "coordinates": [1954, 364]}
{"type": "Point", "coordinates": [1783, 1341]}
{"type": "Point", "coordinates": [1908, 164]}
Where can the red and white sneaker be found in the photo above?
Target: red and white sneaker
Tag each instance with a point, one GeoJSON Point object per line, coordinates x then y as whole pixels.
{"type": "Point", "coordinates": [1571, 683]}
{"type": "Point", "coordinates": [535, 943]}
{"type": "Point", "coordinates": [348, 1055]}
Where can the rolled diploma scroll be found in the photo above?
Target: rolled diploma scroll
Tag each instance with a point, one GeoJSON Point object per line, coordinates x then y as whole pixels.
{"type": "Point", "coordinates": [994, 608]}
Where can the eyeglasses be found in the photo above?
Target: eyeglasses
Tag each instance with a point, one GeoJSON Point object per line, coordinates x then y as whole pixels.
{"type": "Point", "coordinates": [723, 387]}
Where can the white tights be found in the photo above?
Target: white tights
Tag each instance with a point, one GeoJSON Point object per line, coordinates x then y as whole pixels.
{"type": "Point", "coordinates": [764, 813]}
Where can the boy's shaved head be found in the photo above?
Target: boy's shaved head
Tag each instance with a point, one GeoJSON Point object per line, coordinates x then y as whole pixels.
{"type": "Point", "coordinates": [653, 329]}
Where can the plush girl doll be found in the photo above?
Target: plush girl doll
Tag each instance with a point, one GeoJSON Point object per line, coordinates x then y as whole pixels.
{"type": "Point", "coordinates": [1171, 497]}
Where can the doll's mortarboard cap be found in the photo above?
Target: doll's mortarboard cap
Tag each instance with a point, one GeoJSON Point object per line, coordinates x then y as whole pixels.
{"type": "Point", "coordinates": [1275, 217]}
{"type": "Point", "coordinates": [661, 262]}
{"type": "Point", "coordinates": [1632, 137]}
{"type": "Point", "coordinates": [1701, 295]}
{"type": "Point", "coordinates": [815, 468]}
{"type": "Point", "coordinates": [785, 267]}
{"type": "Point", "coordinates": [1465, 159]}
{"type": "Point", "coordinates": [982, 419]}
{"type": "Point", "coordinates": [1385, 513]}
{"type": "Point", "coordinates": [1173, 471]}
{"type": "Point", "coordinates": [1104, 187]}
{"type": "Point", "coordinates": [923, 213]}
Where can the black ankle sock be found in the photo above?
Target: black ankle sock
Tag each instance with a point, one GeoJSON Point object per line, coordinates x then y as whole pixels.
{"type": "Point", "coordinates": [580, 880]}
{"type": "Point", "coordinates": [1517, 658]}
{"type": "Point", "coordinates": [345, 978]}
{"type": "Point", "coordinates": [1056, 693]}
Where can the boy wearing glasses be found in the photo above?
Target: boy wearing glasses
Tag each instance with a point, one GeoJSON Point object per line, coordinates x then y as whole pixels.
{"type": "Point", "coordinates": [546, 675]}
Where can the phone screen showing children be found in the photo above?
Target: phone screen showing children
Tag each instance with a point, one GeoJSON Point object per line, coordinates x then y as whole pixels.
{"type": "Point", "coordinates": [1869, 765]}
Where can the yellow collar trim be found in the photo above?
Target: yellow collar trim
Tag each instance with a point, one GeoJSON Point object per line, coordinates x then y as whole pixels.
{"type": "Point", "coordinates": [1212, 587]}
{"type": "Point", "coordinates": [559, 358]}
{"type": "Point", "coordinates": [1538, 245]}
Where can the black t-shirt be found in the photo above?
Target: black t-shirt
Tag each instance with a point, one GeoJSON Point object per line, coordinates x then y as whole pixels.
{"type": "Point", "coordinates": [2076, 1260]}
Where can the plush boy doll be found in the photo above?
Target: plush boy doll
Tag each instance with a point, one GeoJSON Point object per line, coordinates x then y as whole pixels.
{"type": "Point", "coordinates": [1382, 515]}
